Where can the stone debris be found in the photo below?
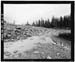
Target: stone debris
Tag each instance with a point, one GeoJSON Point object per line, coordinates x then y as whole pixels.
{"type": "Point", "coordinates": [58, 53]}
{"type": "Point", "coordinates": [66, 47]}
{"type": "Point", "coordinates": [16, 32]}
{"type": "Point", "coordinates": [36, 51]}
{"type": "Point", "coordinates": [48, 57]}
{"type": "Point", "coordinates": [7, 53]}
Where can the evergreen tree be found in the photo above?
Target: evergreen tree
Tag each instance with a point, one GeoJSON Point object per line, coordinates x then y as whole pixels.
{"type": "Point", "coordinates": [27, 23]}
{"type": "Point", "coordinates": [33, 24]}
{"type": "Point", "coordinates": [62, 22]}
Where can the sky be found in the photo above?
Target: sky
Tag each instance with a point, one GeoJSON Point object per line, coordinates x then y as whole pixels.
{"type": "Point", "coordinates": [21, 13]}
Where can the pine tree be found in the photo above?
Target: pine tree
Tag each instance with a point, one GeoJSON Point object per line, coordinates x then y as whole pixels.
{"type": "Point", "coordinates": [33, 24]}
{"type": "Point", "coordinates": [27, 23]}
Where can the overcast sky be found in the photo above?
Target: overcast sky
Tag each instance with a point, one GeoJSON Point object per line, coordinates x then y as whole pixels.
{"type": "Point", "coordinates": [21, 13]}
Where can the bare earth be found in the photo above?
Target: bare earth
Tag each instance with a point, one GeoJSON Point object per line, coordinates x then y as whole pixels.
{"type": "Point", "coordinates": [42, 46]}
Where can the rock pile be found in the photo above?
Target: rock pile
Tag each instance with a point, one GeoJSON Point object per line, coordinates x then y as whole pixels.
{"type": "Point", "coordinates": [16, 32]}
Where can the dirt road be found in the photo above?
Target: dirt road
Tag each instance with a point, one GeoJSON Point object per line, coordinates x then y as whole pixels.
{"type": "Point", "coordinates": [35, 47]}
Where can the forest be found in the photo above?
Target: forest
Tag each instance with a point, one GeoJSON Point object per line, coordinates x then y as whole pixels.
{"type": "Point", "coordinates": [62, 22]}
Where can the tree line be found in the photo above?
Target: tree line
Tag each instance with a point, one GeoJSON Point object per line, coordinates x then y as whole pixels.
{"type": "Point", "coordinates": [62, 22]}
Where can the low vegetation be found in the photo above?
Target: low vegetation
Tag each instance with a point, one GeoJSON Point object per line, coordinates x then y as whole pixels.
{"type": "Point", "coordinates": [66, 36]}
